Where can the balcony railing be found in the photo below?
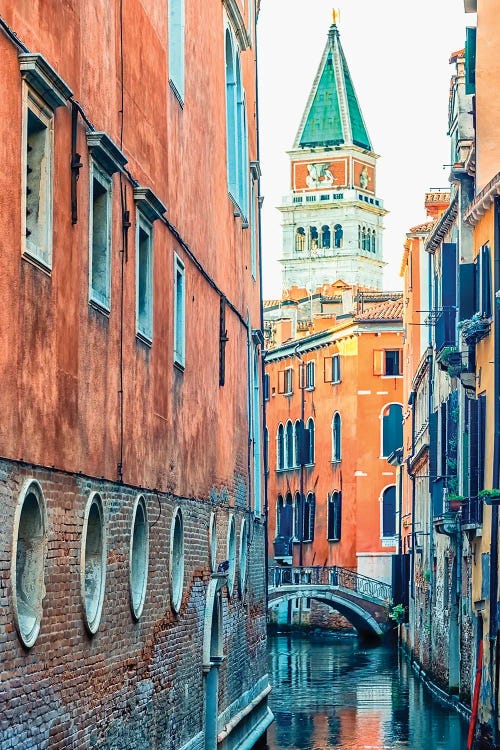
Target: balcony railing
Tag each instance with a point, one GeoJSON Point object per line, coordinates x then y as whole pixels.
{"type": "Point", "coordinates": [472, 512]}
{"type": "Point", "coordinates": [283, 546]}
{"type": "Point", "coordinates": [335, 576]}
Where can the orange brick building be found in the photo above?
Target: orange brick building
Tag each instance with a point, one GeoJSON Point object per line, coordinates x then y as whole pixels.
{"type": "Point", "coordinates": [130, 321]}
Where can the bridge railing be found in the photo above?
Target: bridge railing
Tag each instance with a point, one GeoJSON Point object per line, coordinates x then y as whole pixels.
{"type": "Point", "coordinates": [334, 576]}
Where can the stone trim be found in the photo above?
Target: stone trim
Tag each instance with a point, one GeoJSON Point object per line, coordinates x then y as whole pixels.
{"type": "Point", "coordinates": [443, 226]}
{"type": "Point", "coordinates": [43, 79]}
{"type": "Point", "coordinates": [149, 204]}
{"type": "Point", "coordinates": [483, 201]}
{"type": "Point", "coordinates": [238, 23]}
{"type": "Point", "coordinates": [105, 152]}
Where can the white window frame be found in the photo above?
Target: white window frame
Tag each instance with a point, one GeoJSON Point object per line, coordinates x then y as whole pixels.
{"type": "Point", "coordinates": [41, 254]}
{"type": "Point", "coordinates": [144, 332]}
{"type": "Point", "coordinates": [176, 48]}
{"type": "Point", "coordinates": [310, 375]}
{"type": "Point", "coordinates": [179, 313]}
{"type": "Point", "coordinates": [105, 181]}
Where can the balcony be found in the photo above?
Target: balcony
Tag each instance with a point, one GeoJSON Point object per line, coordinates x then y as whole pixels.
{"type": "Point", "coordinates": [474, 329]}
{"type": "Point", "coordinates": [445, 330]}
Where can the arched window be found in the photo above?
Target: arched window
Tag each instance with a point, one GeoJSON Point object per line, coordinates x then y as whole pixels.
{"type": "Point", "coordinates": [176, 560]}
{"type": "Point", "coordinates": [366, 239]}
{"type": "Point", "coordinates": [373, 247]}
{"type": "Point", "coordinates": [392, 428]}
{"type": "Point", "coordinates": [334, 516]}
{"type": "Point", "coordinates": [325, 236]}
{"type": "Point", "coordinates": [313, 238]}
{"type": "Point", "coordinates": [309, 515]}
{"type": "Point", "coordinates": [338, 235]}
{"type": "Point", "coordinates": [298, 434]}
{"type": "Point", "coordinates": [336, 437]}
{"type": "Point", "coordinates": [310, 427]}
{"type": "Point", "coordinates": [93, 562]}
{"type": "Point", "coordinates": [280, 448]}
{"type": "Point", "coordinates": [300, 239]}
{"type": "Point", "coordinates": [289, 445]}
{"type": "Point", "coordinates": [297, 516]}
{"type": "Point", "coordinates": [389, 511]}
{"type": "Point", "coordinates": [242, 143]}
{"type": "Point", "coordinates": [284, 526]}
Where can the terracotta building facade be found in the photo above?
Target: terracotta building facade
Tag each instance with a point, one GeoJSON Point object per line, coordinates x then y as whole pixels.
{"type": "Point", "coordinates": [132, 519]}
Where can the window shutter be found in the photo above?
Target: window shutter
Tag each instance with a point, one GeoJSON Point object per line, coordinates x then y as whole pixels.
{"type": "Point", "coordinates": [338, 517]}
{"type": "Point", "coordinates": [328, 370]}
{"type": "Point", "coordinates": [485, 282]}
{"type": "Point", "coordinates": [470, 60]}
{"type": "Point", "coordinates": [481, 431]}
{"type": "Point", "coordinates": [466, 291]}
{"type": "Point", "coordinates": [312, 515]}
{"type": "Point", "coordinates": [336, 368]}
{"type": "Point", "coordinates": [473, 481]}
{"type": "Point", "coordinates": [267, 379]}
{"type": "Point", "coordinates": [378, 362]}
{"type": "Point", "coordinates": [448, 274]}
{"type": "Point", "coordinates": [281, 381]}
{"type": "Point", "coordinates": [433, 433]}
{"type": "Point", "coordinates": [302, 376]}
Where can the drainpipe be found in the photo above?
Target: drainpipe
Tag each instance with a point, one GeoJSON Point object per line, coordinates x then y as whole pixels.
{"type": "Point", "coordinates": [259, 251]}
{"type": "Point", "coordinates": [496, 476]}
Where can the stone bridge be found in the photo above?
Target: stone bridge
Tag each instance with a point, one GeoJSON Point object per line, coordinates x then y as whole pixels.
{"type": "Point", "coordinates": [364, 601]}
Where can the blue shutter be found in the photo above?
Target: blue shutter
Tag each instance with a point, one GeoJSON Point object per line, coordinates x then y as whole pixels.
{"type": "Point", "coordinates": [466, 291]}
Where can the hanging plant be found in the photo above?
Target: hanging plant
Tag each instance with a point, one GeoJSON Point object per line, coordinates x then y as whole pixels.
{"type": "Point", "coordinates": [490, 496]}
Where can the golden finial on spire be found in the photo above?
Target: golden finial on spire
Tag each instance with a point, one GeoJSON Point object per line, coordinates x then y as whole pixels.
{"type": "Point", "coordinates": [336, 16]}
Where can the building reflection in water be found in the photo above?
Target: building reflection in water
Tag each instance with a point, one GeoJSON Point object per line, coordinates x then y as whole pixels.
{"type": "Point", "coordinates": [340, 694]}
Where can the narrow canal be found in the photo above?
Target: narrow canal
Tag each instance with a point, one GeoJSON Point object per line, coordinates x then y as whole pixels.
{"type": "Point", "coordinates": [334, 692]}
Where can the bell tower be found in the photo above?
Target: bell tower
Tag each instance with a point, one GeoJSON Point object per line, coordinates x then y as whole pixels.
{"type": "Point", "coordinates": [332, 218]}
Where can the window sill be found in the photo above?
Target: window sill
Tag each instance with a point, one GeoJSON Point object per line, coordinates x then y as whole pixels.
{"type": "Point", "coordinates": [336, 461]}
{"type": "Point", "coordinates": [37, 262]}
{"type": "Point", "coordinates": [104, 310]}
{"type": "Point", "coordinates": [391, 376]}
{"type": "Point", "coordinates": [144, 339]}
{"type": "Point", "coordinates": [179, 366]}
{"type": "Point", "coordinates": [176, 93]}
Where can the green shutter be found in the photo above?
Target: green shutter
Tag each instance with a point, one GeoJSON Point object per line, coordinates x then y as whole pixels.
{"type": "Point", "coordinates": [470, 60]}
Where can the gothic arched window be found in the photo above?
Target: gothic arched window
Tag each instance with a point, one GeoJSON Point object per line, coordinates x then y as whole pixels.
{"type": "Point", "coordinates": [300, 239]}
{"type": "Point", "coordinates": [325, 236]}
{"type": "Point", "coordinates": [336, 437]}
{"type": "Point", "coordinates": [338, 235]}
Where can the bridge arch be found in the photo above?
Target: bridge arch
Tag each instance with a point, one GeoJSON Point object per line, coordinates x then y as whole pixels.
{"type": "Point", "coordinates": [364, 622]}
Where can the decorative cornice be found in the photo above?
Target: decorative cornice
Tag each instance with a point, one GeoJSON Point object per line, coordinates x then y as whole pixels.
{"type": "Point", "coordinates": [148, 203]}
{"type": "Point", "coordinates": [442, 226]}
{"type": "Point", "coordinates": [43, 78]}
{"type": "Point", "coordinates": [238, 23]}
{"type": "Point", "coordinates": [105, 151]}
{"type": "Point", "coordinates": [483, 201]}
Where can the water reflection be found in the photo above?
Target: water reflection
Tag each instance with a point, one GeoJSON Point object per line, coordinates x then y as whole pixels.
{"type": "Point", "coordinates": [336, 692]}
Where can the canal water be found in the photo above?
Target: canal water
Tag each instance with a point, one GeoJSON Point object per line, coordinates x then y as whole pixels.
{"type": "Point", "coordinates": [335, 692]}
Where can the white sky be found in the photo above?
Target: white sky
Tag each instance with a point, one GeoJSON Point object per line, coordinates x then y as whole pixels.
{"type": "Point", "coordinates": [398, 54]}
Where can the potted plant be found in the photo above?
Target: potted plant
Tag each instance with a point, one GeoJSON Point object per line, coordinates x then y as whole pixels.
{"type": "Point", "coordinates": [475, 328]}
{"type": "Point", "coordinates": [455, 502]}
{"type": "Point", "coordinates": [490, 496]}
{"type": "Point", "coordinates": [398, 614]}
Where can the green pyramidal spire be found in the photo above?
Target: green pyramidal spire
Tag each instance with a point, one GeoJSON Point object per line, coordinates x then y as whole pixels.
{"type": "Point", "coordinates": [332, 116]}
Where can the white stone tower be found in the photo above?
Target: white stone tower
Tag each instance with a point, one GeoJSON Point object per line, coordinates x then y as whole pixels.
{"type": "Point", "coordinates": [332, 218]}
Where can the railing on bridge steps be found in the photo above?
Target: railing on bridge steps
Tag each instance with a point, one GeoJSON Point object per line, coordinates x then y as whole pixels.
{"type": "Point", "coordinates": [334, 576]}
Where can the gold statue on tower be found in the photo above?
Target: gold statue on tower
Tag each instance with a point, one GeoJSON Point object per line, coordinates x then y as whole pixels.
{"type": "Point", "coordinates": [336, 16]}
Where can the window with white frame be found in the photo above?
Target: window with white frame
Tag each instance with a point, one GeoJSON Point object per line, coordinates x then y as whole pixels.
{"type": "Point", "coordinates": [236, 126]}
{"type": "Point", "coordinates": [285, 381]}
{"type": "Point", "coordinates": [37, 179]}
{"type": "Point", "coordinates": [310, 375]}
{"type": "Point", "coordinates": [334, 530]}
{"type": "Point", "coordinates": [331, 370]}
{"type": "Point", "coordinates": [336, 438]}
{"type": "Point", "coordinates": [280, 448]}
{"type": "Point", "coordinates": [310, 433]}
{"type": "Point", "coordinates": [388, 362]}
{"type": "Point", "coordinates": [392, 429]}
{"type": "Point", "coordinates": [267, 388]}
{"type": "Point", "coordinates": [309, 516]}
{"type": "Point", "coordinates": [289, 446]}
{"type": "Point", "coordinates": [389, 512]}
{"type": "Point", "coordinates": [176, 52]}
{"type": "Point", "coordinates": [100, 237]}
{"type": "Point", "coordinates": [253, 230]}
{"type": "Point", "coordinates": [179, 312]}
{"type": "Point", "coordinates": [144, 276]}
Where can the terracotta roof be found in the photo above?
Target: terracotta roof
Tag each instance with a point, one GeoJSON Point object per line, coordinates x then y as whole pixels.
{"type": "Point", "coordinates": [426, 227]}
{"type": "Point", "coordinates": [455, 55]}
{"type": "Point", "coordinates": [384, 311]}
{"type": "Point", "coordinates": [271, 302]}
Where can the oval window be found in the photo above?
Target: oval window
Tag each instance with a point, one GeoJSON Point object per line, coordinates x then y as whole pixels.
{"type": "Point", "coordinates": [139, 557]}
{"type": "Point", "coordinates": [231, 555]}
{"type": "Point", "coordinates": [177, 559]}
{"type": "Point", "coordinates": [93, 563]}
{"type": "Point", "coordinates": [28, 562]}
